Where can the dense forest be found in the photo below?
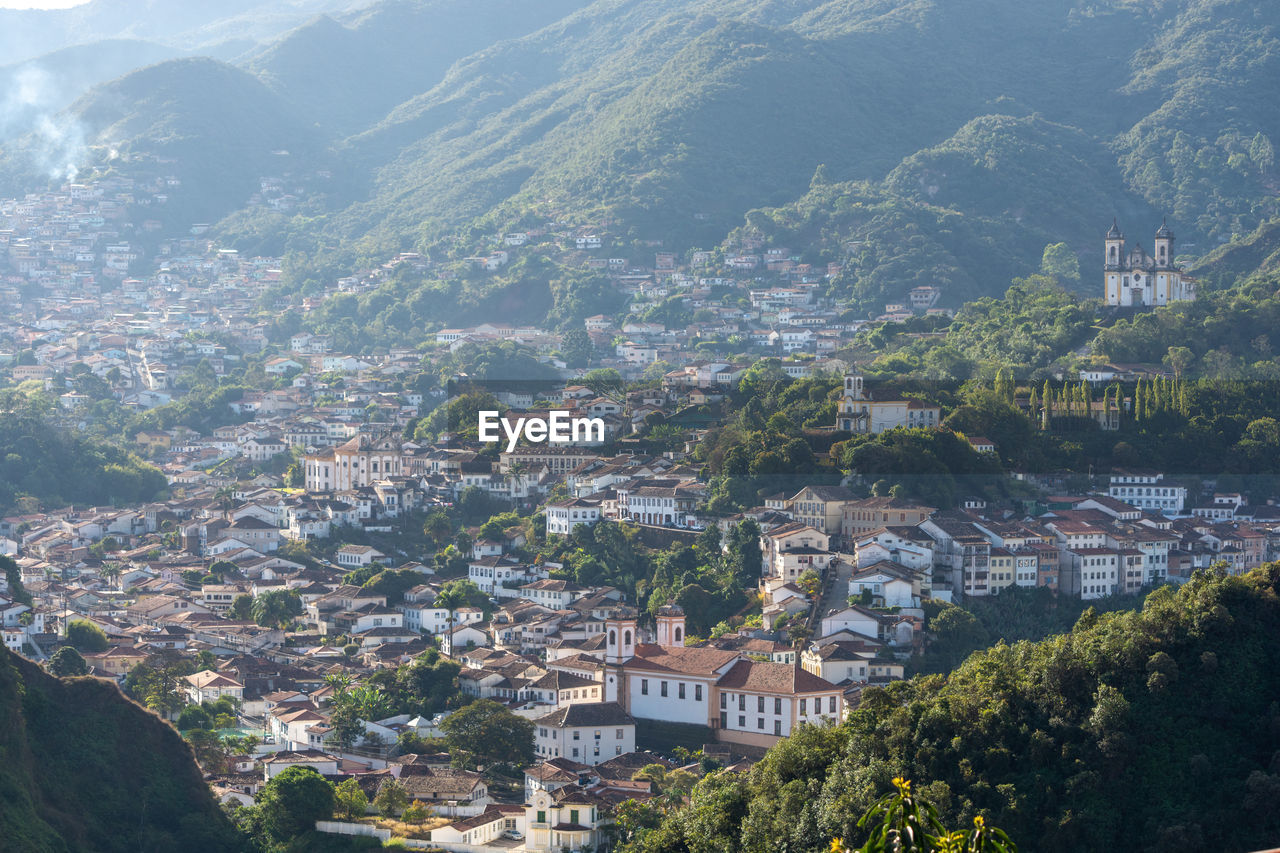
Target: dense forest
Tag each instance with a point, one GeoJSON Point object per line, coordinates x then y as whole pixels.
{"type": "Point", "coordinates": [55, 467]}
{"type": "Point", "coordinates": [1151, 730]}
{"type": "Point", "coordinates": [74, 777]}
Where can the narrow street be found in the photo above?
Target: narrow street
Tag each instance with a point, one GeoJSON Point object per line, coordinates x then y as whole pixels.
{"type": "Point", "coordinates": [835, 592]}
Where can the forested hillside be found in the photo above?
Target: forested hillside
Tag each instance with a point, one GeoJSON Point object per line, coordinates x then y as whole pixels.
{"type": "Point", "coordinates": [56, 468]}
{"type": "Point", "coordinates": [86, 769]}
{"type": "Point", "coordinates": [923, 142]}
{"type": "Point", "coordinates": [1151, 730]}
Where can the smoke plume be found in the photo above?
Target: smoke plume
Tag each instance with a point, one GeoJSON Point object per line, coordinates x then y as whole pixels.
{"type": "Point", "coordinates": [32, 125]}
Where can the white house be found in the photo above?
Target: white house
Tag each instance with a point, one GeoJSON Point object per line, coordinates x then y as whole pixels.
{"type": "Point", "coordinates": [355, 556]}
{"type": "Point", "coordinates": [589, 732]}
{"type": "Point", "coordinates": [564, 516]}
{"type": "Point", "coordinates": [209, 686]}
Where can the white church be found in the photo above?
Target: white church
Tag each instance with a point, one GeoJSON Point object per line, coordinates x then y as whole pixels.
{"type": "Point", "coordinates": [1134, 278]}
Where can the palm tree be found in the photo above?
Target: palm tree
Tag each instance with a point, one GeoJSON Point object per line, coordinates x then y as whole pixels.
{"type": "Point", "coordinates": [339, 681]}
{"type": "Point", "coordinates": [110, 570]}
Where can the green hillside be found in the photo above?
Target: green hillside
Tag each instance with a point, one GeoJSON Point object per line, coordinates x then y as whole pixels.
{"type": "Point", "coordinates": [956, 138]}
{"type": "Point", "coordinates": [1145, 731]}
{"type": "Point", "coordinates": [675, 120]}
{"type": "Point", "coordinates": [82, 768]}
{"type": "Point", "coordinates": [58, 468]}
{"type": "Point", "coordinates": [214, 126]}
{"type": "Point", "coordinates": [350, 74]}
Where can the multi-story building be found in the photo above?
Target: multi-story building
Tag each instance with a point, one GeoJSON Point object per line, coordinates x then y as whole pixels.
{"type": "Point", "coordinates": [1147, 490]}
{"type": "Point", "coordinates": [821, 507]}
{"type": "Point", "coordinates": [353, 465]}
{"type": "Point", "coordinates": [587, 732]}
{"type": "Point", "coordinates": [870, 514]}
{"type": "Point", "coordinates": [859, 413]}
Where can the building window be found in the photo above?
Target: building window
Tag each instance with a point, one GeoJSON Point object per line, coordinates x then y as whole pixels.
{"type": "Point", "coordinates": [760, 704]}
{"type": "Point", "coordinates": [697, 692]}
{"type": "Point", "coordinates": [742, 722]}
{"type": "Point", "coordinates": [760, 723]}
{"type": "Point", "coordinates": [831, 704]}
{"type": "Point", "coordinates": [803, 707]}
{"type": "Point", "coordinates": [680, 689]}
{"type": "Point", "coordinates": [777, 706]}
{"type": "Point", "coordinates": [742, 702]}
{"type": "Point", "coordinates": [663, 688]}
{"type": "Point", "coordinates": [644, 687]}
{"type": "Point", "coordinates": [777, 727]}
{"type": "Point", "coordinates": [724, 701]}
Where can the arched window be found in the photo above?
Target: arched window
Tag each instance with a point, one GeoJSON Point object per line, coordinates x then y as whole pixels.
{"type": "Point", "coordinates": [613, 638]}
{"type": "Point", "coordinates": [626, 639]}
{"type": "Point", "coordinates": [679, 639]}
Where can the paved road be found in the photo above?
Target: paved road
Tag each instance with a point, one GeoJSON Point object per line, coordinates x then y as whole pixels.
{"type": "Point", "coordinates": [835, 593]}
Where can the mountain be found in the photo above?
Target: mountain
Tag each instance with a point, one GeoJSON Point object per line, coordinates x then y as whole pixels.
{"type": "Point", "coordinates": [676, 120]}
{"type": "Point", "coordinates": [1151, 730]}
{"type": "Point", "coordinates": [958, 215]}
{"type": "Point", "coordinates": [950, 141]}
{"type": "Point", "coordinates": [53, 81]}
{"type": "Point", "coordinates": [214, 126]}
{"type": "Point", "coordinates": [86, 769]}
{"type": "Point", "coordinates": [351, 73]}
{"type": "Point", "coordinates": [184, 24]}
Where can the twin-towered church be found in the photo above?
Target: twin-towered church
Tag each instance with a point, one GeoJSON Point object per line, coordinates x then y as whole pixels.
{"type": "Point", "coordinates": [1134, 278]}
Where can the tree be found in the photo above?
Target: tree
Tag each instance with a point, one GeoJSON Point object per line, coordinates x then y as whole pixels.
{"type": "Point", "coordinates": [901, 822]}
{"type": "Point", "coordinates": [13, 579]}
{"type": "Point", "coordinates": [1005, 385]}
{"type": "Point", "coordinates": [273, 609]}
{"type": "Point", "coordinates": [956, 633]}
{"type": "Point", "coordinates": [605, 382]}
{"type": "Point", "coordinates": [67, 661]}
{"type": "Point", "coordinates": [416, 812]}
{"type": "Point", "coordinates": [241, 608]}
{"type": "Point", "coordinates": [350, 801]}
{"type": "Point", "coordinates": [632, 818]}
{"type": "Point", "coordinates": [86, 636]}
{"type": "Point", "coordinates": [391, 798]}
{"type": "Point", "coordinates": [293, 801]}
{"type": "Point", "coordinates": [461, 592]}
{"type": "Point", "coordinates": [809, 582]}
{"type": "Point", "coordinates": [576, 347]}
{"type": "Point", "coordinates": [194, 717]}
{"type": "Point", "coordinates": [1178, 359]}
{"type": "Point", "coordinates": [485, 732]}
{"type": "Point", "coordinates": [1058, 260]}
{"type": "Point", "coordinates": [209, 749]}
{"type": "Point", "coordinates": [347, 725]}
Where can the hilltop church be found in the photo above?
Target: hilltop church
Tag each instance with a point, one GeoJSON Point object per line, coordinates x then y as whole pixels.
{"type": "Point", "coordinates": [1134, 278]}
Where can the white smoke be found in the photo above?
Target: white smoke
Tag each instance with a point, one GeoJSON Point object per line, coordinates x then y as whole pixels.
{"type": "Point", "coordinates": [31, 122]}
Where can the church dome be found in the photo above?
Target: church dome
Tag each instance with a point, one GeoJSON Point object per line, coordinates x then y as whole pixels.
{"type": "Point", "coordinates": [1165, 233]}
{"type": "Point", "coordinates": [1114, 233]}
